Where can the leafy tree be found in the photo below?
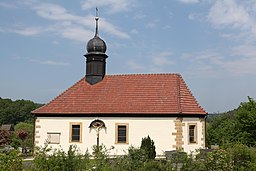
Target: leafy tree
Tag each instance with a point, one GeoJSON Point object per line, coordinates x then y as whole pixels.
{"type": "Point", "coordinates": [4, 137]}
{"type": "Point", "coordinates": [221, 129]}
{"type": "Point", "coordinates": [148, 146]}
{"type": "Point", "coordinates": [23, 135]}
{"type": "Point", "coordinates": [13, 112]}
{"type": "Point", "coordinates": [246, 122]}
{"type": "Point", "coordinates": [234, 126]}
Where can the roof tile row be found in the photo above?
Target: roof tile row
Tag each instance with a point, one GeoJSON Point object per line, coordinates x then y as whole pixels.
{"type": "Point", "coordinates": [135, 93]}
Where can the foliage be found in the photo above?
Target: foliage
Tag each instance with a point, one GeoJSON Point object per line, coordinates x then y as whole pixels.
{"type": "Point", "coordinates": [136, 158]}
{"type": "Point", "coordinates": [48, 160]}
{"type": "Point", "coordinates": [238, 157]}
{"type": "Point", "coordinates": [4, 137]}
{"type": "Point", "coordinates": [13, 112]}
{"type": "Point", "coordinates": [246, 121]}
{"type": "Point", "coordinates": [243, 157]}
{"type": "Point", "coordinates": [22, 134]}
{"type": "Point", "coordinates": [148, 146]}
{"type": "Point", "coordinates": [221, 129]}
{"type": "Point", "coordinates": [10, 161]}
{"type": "Point", "coordinates": [234, 126]}
{"type": "Point", "coordinates": [218, 160]}
{"type": "Point", "coordinates": [19, 139]}
{"type": "Point", "coordinates": [100, 158]}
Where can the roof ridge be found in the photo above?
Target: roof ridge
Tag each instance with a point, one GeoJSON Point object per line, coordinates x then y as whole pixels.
{"type": "Point", "coordinates": [143, 74]}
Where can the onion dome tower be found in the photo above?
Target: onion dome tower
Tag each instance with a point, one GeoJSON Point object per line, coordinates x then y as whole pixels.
{"type": "Point", "coordinates": [95, 57]}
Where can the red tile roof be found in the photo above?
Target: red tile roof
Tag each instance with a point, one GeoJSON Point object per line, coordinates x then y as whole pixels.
{"type": "Point", "coordinates": [126, 94]}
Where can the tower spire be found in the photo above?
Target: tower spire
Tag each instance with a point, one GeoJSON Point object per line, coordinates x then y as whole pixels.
{"type": "Point", "coordinates": [95, 57]}
{"type": "Point", "coordinates": [97, 23]}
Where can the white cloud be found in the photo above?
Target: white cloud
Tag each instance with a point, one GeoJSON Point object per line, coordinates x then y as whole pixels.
{"type": "Point", "coordinates": [139, 16]}
{"type": "Point", "coordinates": [248, 51]}
{"type": "Point", "coordinates": [67, 25]}
{"type": "Point", "coordinates": [27, 31]}
{"type": "Point", "coordinates": [196, 16]}
{"type": "Point", "coordinates": [134, 31]}
{"type": "Point", "coordinates": [237, 61]}
{"type": "Point", "coordinates": [189, 1]}
{"type": "Point", "coordinates": [113, 6]}
{"type": "Point", "coordinates": [50, 62]}
{"type": "Point", "coordinates": [7, 5]}
{"type": "Point", "coordinates": [56, 42]}
{"type": "Point", "coordinates": [236, 19]}
{"type": "Point", "coordinates": [229, 13]}
{"type": "Point", "coordinates": [153, 23]}
{"type": "Point", "coordinates": [157, 62]}
{"type": "Point", "coordinates": [241, 67]}
{"type": "Point", "coordinates": [135, 65]}
{"type": "Point", "coordinates": [162, 59]}
{"type": "Point", "coordinates": [76, 33]}
{"type": "Point", "coordinates": [113, 30]}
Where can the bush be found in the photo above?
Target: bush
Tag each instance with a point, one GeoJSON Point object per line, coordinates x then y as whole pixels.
{"type": "Point", "coordinates": [148, 146]}
{"type": "Point", "coordinates": [243, 157]}
{"type": "Point", "coordinates": [10, 161]}
{"type": "Point", "coordinates": [100, 159]}
{"type": "Point", "coordinates": [238, 158]}
{"type": "Point", "coordinates": [136, 158]}
{"type": "Point", "coordinates": [60, 160]}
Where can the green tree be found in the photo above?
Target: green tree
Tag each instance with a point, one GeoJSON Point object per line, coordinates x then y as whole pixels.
{"type": "Point", "coordinates": [234, 126]}
{"type": "Point", "coordinates": [4, 137]}
{"type": "Point", "coordinates": [246, 122]}
{"type": "Point", "coordinates": [13, 112]}
{"type": "Point", "coordinates": [148, 146]}
{"type": "Point", "coordinates": [221, 129]}
{"type": "Point", "coordinates": [19, 139]}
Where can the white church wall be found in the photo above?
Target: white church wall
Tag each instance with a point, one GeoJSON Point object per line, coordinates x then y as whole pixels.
{"type": "Point", "coordinates": [160, 130]}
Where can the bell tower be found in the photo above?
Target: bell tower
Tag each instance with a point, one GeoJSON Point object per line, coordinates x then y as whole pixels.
{"type": "Point", "coordinates": [95, 57]}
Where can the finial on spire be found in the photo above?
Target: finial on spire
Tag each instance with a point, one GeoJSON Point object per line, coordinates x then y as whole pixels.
{"type": "Point", "coordinates": [97, 18]}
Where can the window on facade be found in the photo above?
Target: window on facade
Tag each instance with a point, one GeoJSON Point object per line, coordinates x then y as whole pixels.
{"type": "Point", "coordinates": [192, 133]}
{"type": "Point", "coordinates": [75, 132]}
{"type": "Point", "coordinates": [122, 133]}
{"type": "Point", "coordinates": [53, 138]}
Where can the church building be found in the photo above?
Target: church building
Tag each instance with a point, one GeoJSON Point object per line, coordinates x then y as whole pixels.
{"type": "Point", "coordinates": [119, 110]}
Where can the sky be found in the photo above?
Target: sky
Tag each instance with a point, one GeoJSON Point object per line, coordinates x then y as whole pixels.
{"type": "Point", "coordinates": [211, 43]}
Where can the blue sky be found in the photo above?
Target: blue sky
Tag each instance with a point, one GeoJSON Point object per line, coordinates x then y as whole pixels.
{"type": "Point", "coordinates": [211, 43]}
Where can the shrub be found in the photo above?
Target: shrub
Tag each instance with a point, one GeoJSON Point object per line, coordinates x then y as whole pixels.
{"type": "Point", "coordinates": [100, 156]}
{"type": "Point", "coordinates": [243, 157]}
{"type": "Point", "coordinates": [148, 146]}
{"type": "Point", "coordinates": [60, 160]}
{"type": "Point", "coordinates": [136, 158]}
{"type": "Point", "coordinates": [10, 161]}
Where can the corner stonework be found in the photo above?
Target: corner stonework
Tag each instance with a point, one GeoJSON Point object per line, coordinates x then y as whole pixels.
{"type": "Point", "coordinates": [202, 120]}
{"type": "Point", "coordinates": [37, 128]}
{"type": "Point", "coordinates": [178, 133]}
